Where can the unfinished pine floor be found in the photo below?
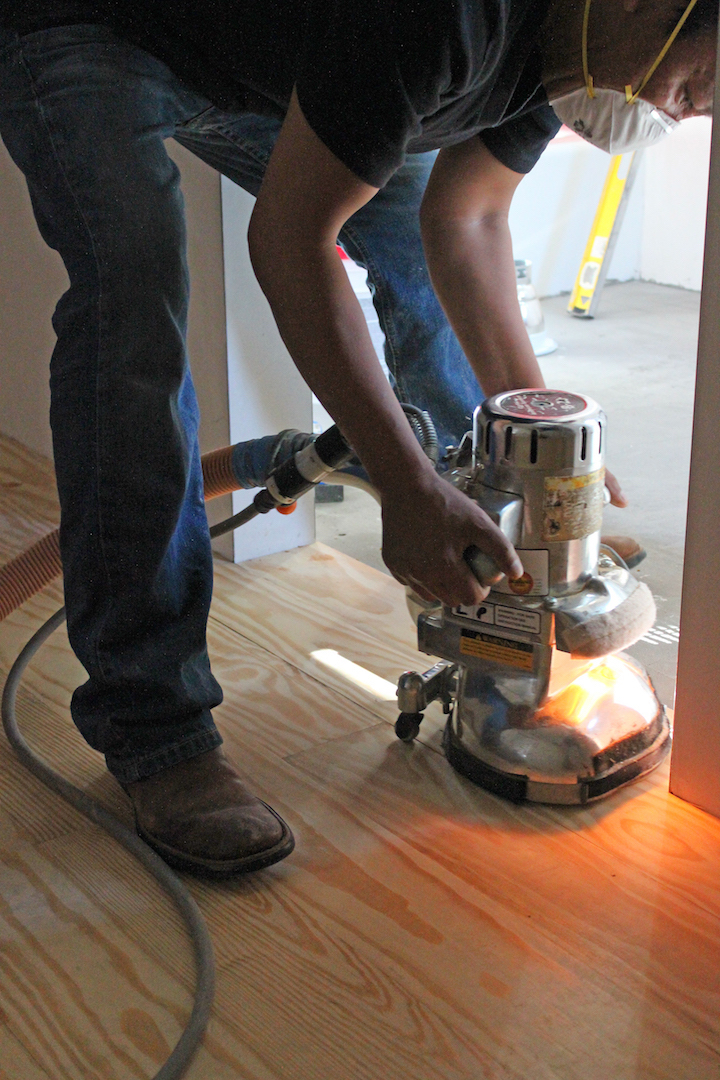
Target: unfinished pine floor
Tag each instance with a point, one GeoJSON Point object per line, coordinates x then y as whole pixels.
{"type": "Point", "coordinates": [422, 930]}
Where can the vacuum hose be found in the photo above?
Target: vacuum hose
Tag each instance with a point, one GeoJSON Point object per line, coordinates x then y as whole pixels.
{"type": "Point", "coordinates": [293, 477]}
{"type": "Point", "coordinates": [225, 470]}
{"type": "Point", "coordinates": [190, 1039]}
{"type": "Point", "coordinates": [28, 573]}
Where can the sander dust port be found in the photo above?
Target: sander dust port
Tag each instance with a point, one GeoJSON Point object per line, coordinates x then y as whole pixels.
{"type": "Point", "coordinates": [542, 704]}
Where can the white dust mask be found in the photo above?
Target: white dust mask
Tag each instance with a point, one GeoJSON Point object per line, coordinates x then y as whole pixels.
{"type": "Point", "coordinates": [607, 121]}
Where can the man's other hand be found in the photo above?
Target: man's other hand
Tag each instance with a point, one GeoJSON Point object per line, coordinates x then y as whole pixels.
{"type": "Point", "coordinates": [616, 495]}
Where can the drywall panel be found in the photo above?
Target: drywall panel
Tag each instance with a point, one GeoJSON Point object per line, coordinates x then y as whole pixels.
{"type": "Point", "coordinates": [266, 392]}
{"type": "Point", "coordinates": [207, 346]}
{"type": "Point", "coordinates": [695, 768]}
{"type": "Point", "coordinates": [676, 188]}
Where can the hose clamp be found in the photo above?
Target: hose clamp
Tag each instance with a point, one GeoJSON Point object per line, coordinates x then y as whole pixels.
{"type": "Point", "coordinates": [310, 465]}
{"type": "Point", "coordinates": [282, 500]}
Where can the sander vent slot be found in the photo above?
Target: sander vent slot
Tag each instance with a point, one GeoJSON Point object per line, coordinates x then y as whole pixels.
{"type": "Point", "coordinates": [534, 447]}
{"type": "Point", "coordinates": [508, 440]}
{"type": "Point", "coordinates": [488, 433]}
{"type": "Point", "coordinates": [600, 433]}
{"type": "Point", "coordinates": [583, 445]}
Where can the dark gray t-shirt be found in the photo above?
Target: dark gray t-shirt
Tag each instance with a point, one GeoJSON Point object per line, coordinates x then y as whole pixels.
{"type": "Point", "coordinates": [376, 79]}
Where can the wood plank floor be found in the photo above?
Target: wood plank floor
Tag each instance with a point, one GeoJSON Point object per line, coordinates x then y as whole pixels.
{"type": "Point", "coordinates": [422, 930]}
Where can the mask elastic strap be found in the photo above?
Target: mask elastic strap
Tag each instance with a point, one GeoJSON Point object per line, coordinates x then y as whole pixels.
{"type": "Point", "coordinates": [630, 97]}
{"type": "Point", "coordinates": [588, 77]}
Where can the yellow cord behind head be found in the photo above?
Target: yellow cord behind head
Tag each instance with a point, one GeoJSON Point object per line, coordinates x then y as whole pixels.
{"type": "Point", "coordinates": [630, 96]}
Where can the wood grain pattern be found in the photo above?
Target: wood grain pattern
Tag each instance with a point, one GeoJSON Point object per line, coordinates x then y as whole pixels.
{"type": "Point", "coordinates": [15, 1060]}
{"type": "Point", "coordinates": [422, 929]}
{"type": "Point", "coordinates": [28, 497]}
{"type": "Point", "coordinates": [365, 620]}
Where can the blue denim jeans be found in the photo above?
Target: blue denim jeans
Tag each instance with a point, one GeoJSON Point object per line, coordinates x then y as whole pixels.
{"type": "Point", "coordinates": [85, 115]}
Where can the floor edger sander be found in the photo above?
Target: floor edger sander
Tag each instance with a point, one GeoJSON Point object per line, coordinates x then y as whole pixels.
{"type": "Point", "coordinates": [542, 703]}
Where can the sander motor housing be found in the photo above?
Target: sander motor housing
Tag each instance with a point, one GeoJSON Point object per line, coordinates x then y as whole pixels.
{"type": "Point", "coordinates": [540, 706]}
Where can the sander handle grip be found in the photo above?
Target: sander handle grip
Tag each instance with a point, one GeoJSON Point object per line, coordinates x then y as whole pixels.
{"type": "Point", "coordinates": [483, 566]}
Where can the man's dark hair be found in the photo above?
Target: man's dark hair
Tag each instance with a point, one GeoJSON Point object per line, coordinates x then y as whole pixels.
{"type": "Point", "coordinates": [703, 19]}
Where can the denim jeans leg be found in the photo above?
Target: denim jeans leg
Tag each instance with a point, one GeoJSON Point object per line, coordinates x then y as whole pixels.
{"type": "Point", "coordinates": [84, 116]}
{"type": "Point", "coordinates": [426, 363]}
{"type": "Point", "coordinates": [422, 353]}
{"type": "Point", "coordinates": [238, 145]}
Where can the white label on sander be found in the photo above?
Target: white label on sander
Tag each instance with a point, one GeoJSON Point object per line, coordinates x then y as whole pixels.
{"type": "Point", "coordinates": [484, 613]}
{"type": "Point", "coordinates": [498, 615]}
{"type": "Point", "coordinates": [513, 618]}
{"type": "Point", "coordinates": [535, 580]}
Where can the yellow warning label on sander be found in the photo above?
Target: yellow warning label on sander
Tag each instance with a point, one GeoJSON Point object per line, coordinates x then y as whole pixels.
{"type": "Point", "coordinates": [502, 650]}
{"type": "Point", "coordinates": [572, 506]}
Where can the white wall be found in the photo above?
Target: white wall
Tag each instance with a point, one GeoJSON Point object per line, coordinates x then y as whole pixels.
{"type": "Point", "coordinates": [675, 197]}
{"type": "Point", "coordinates": [553, 211]}
{"type": "Point", "coordinates": [266, 392]}
{"type": "Point", "coordinates": [663, 232]}
{"type": "Point", "coordinates": [693, 772]}
{"type": "Point", "coordinates": [32, 279]}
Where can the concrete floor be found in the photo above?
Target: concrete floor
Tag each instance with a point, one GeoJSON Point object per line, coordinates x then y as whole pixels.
{"type": "Point", "coordinates": [637, 359]}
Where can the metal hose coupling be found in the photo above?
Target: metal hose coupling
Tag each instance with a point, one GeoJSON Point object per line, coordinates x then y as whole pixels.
{"type": "Point", "coordinates": [309, 466]}
{"type": "Point", "coordinates": [293, 477]}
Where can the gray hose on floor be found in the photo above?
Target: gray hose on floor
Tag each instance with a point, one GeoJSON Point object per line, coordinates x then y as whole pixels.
{"type": "Point", "coordinates": [191, 1037]}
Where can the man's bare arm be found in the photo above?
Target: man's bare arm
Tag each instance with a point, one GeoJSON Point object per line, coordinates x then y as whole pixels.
{"type": "Point", "coordinates": [306, 197]}
{"type": "Point", "coordinates": [468, 248]}
{"type": "Point", "coordinates": [469, 254]}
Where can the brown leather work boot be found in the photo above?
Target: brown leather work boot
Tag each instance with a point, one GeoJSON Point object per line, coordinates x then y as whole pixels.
{"type": "Point", "coordinates": [199, 817]}
{"type": "Point", "coordinates": [630, 551]}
